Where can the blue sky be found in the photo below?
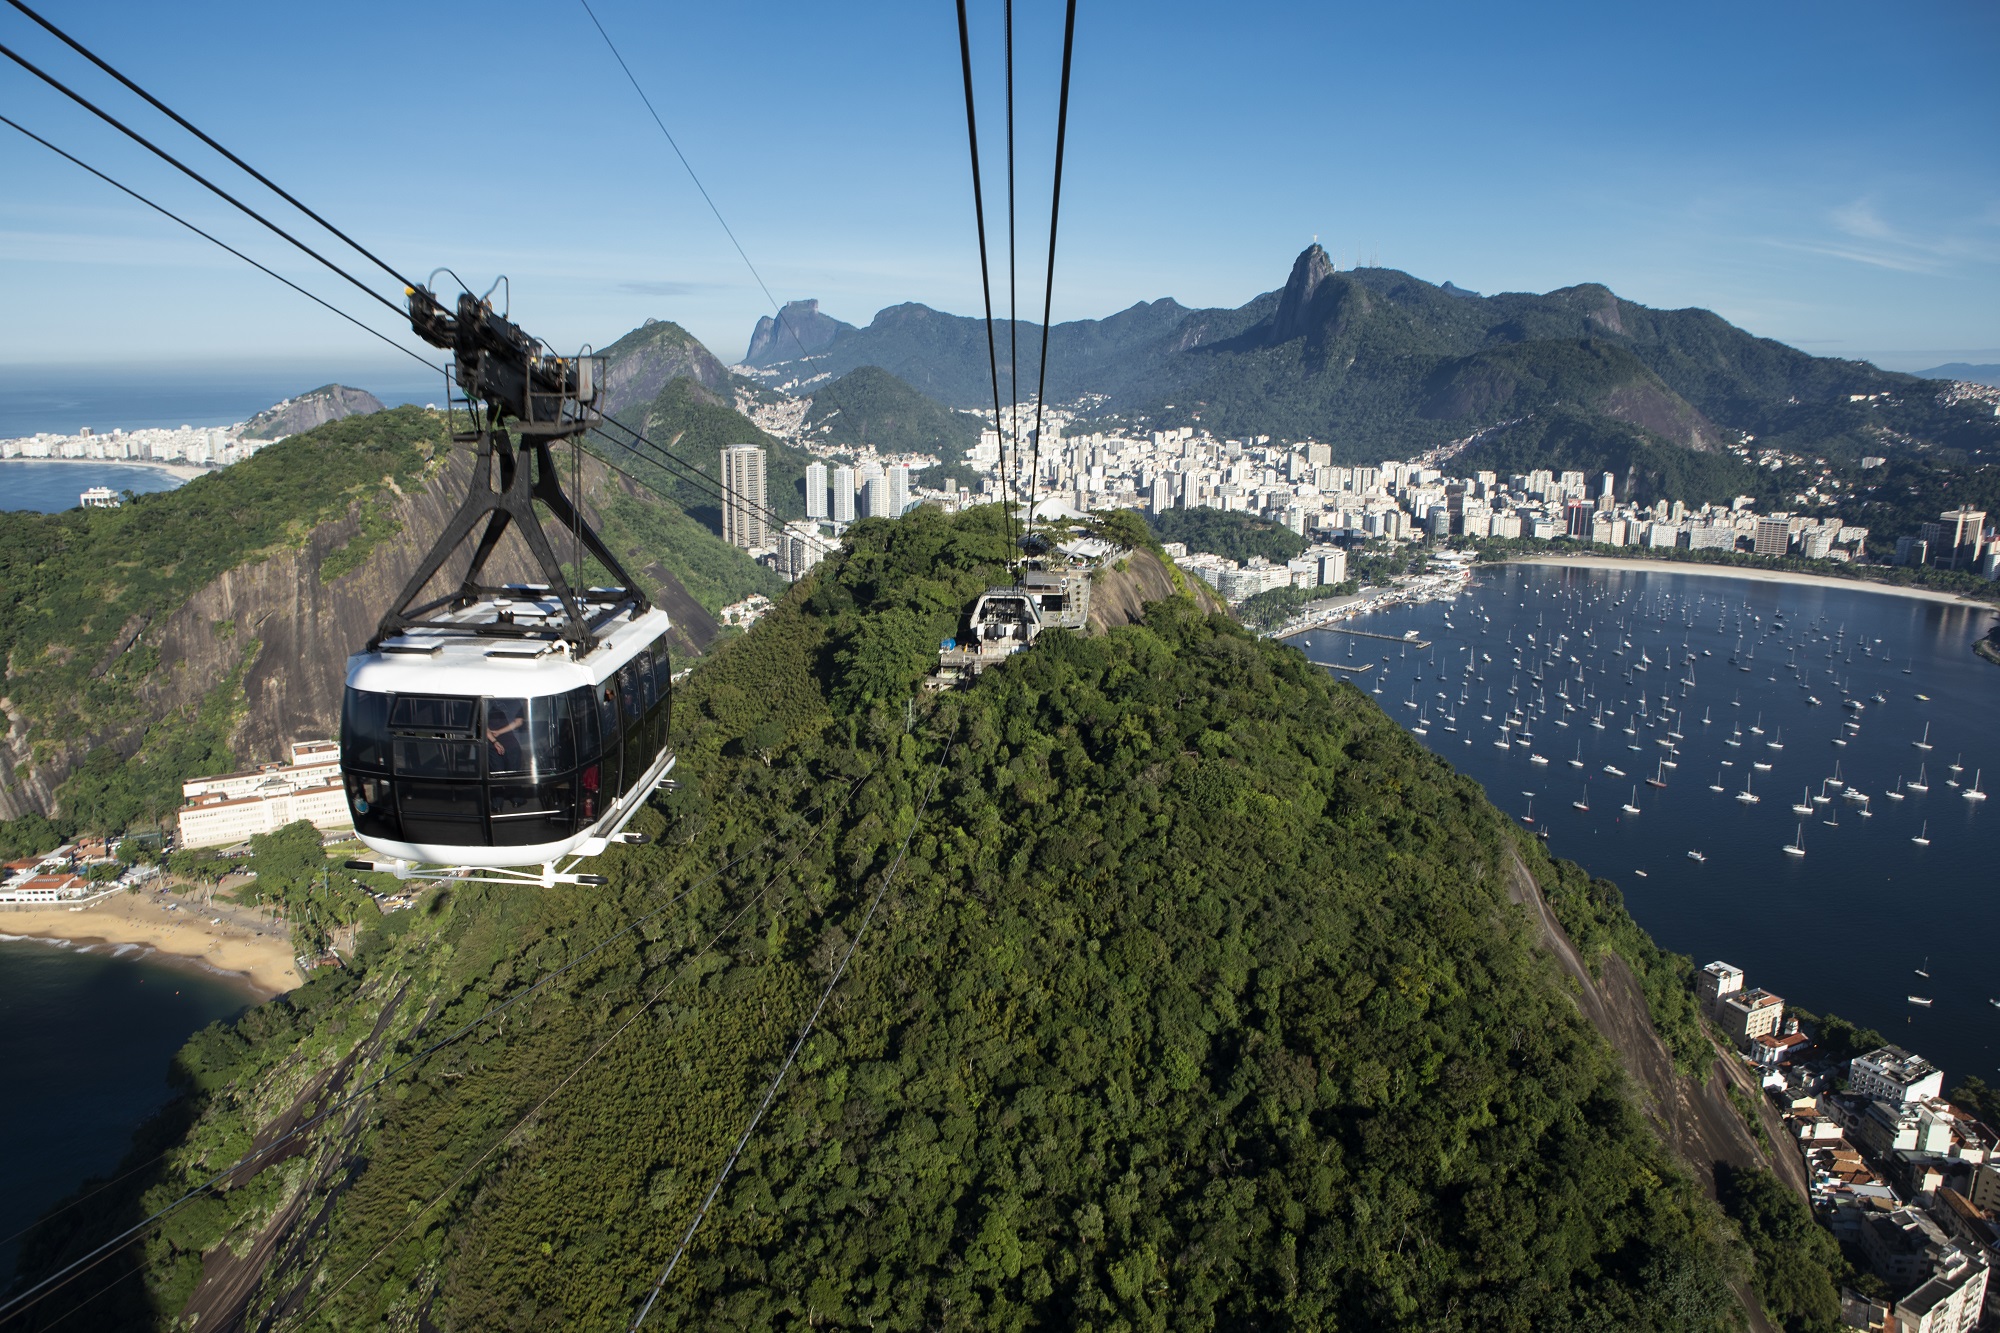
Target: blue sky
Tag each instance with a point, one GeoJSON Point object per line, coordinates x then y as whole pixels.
{"type": "Point", "coordinates": [1826, 174]}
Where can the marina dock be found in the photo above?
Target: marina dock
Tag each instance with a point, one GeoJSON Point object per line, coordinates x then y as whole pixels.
{"type": "Point", "coordinates": [1361, 634]}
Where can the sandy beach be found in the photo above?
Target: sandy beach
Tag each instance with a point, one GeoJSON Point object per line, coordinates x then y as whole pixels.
{"type": "Point", "coordinates": [1759, 575]}
{"type": "Point", "coordinates": [261, 957]}
{"type": "Point", "coordinates": [185, 471]}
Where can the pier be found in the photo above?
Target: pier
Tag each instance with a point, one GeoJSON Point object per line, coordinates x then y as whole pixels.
{"type": "Point", "coordinates": [1364, 668]}
{"type": "Point", "coordinates": [1360, 634]}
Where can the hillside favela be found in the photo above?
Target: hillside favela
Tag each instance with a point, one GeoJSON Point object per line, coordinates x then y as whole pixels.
{"type": "Point", "coordinates": [967, 692]}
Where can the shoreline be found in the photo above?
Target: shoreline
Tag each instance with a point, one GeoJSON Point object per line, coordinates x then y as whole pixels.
{"type": "Point", "coordinates": [261, 962]}
{"type": "Point", "coordinates": [184, 471]}
{"type": "Point", "coordinates": [1742, 572]}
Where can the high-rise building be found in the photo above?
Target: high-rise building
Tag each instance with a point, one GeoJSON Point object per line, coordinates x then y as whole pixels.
{"type": "Point", "coordinates": [899, 490]}
{"type": "Point", "coordinates": [744, 502]}
{"type": "Point", "coordinates": [875, 498]}
{"type": "Point", "coordinates": [1774, 535]}
{"type": "Point", "coordinates": [1163, 492]}
{"type": "Point", "coordinates": [1607, 486]}
{"type": "Point", "coordinates": [1960, 534]}
{"type": "Point", "coordinates": [816, 490]}
{"type": "Point", "coordinates": [843, 495]}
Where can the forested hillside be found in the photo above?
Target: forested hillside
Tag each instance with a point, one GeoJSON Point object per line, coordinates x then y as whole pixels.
{"type": "Point", "coordinates": [1186, 992]}
{"type": "Point", "coordinates": [871, 406]}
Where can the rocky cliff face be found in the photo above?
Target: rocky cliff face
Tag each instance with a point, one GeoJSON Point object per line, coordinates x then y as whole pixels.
{"type": "Point", "coordinates": [303, 628]}
{"type": "Point", "coordinates": [316, 407]}
{"type": "Point", "coordinates": [799, 330]}
{"type": "Point", "coordinates": [1119, 596]}
{"type": "Point", "coordinates": [644, 361]}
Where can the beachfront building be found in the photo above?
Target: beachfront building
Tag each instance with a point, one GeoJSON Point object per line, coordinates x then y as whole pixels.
{"type": "Point", "coordinates": [229, 807]}
{"type": "Point", "coordinates": [42, 889]}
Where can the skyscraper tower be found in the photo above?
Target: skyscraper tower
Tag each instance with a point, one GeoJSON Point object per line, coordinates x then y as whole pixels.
{"type": "Point", "coordinates": [899, 490]}
{"type": "Point", "coordinates": [843, 495]}
{"type": "Point", "coordinates": [815, 490]}
{"type": "Point", "coordinates": [744, 501]}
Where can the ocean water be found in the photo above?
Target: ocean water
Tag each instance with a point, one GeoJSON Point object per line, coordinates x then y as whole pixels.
{"type": "Point", "coordinates": [1846, 927]}
{"type": "Point", "coordinates": [51, 486]}
{"type": "Point", "coordinates": [85, 1040]}
{"type": "Point", "coordinates": [62, 399]}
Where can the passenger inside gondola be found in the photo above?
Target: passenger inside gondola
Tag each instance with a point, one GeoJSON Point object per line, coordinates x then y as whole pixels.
{"type": "Point", "coordinates": [506, 719]}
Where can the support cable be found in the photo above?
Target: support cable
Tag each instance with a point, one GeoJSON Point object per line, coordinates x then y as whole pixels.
{"type": "Point", "coordinates": [985, 278]}
{"type": "Point", "coordinates": [191, 128]}
{"type": "Point", "coordinates": [190, 172]}
{"type": "Point", "coordinates": [705, 196]}
{"type": "Point", "coordinates": [1013, 314]}
{"type": "Point", "coordinates": [266, 222]}
{"type": "Point", "coordinates": [173, 216]}
{"type": "Point", "coordinates": [791, 1057]}
{"type": "Point", "coordinates": [1055, 214]}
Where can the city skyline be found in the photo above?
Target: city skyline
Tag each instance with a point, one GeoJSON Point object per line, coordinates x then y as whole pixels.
{"type": "Point", "coordinates": [1830, 193]}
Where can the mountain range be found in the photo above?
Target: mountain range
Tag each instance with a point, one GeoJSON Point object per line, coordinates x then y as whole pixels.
{"type": "Point", "coordinates": [1383, 364]}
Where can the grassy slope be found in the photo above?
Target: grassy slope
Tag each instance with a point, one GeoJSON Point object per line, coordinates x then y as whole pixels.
{"type": "Point", "coordinates": [1197, 1003]}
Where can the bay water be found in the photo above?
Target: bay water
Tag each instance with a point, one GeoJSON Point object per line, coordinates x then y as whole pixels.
{"type": "Point", "coordinates": [1849, 926]}
{"type": "Point", "coordinates": [85, 1041]}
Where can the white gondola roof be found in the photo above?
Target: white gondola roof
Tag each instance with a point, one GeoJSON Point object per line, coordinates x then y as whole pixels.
{"type": "Point", "coordinates": [427, 660]}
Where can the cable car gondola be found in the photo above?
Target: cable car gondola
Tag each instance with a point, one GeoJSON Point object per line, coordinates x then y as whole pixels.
{"type": "Point", "coordinates": [504, 733]}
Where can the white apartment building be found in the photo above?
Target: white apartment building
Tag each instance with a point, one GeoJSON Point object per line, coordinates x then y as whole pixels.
{"type": "Point", "coordinates": [744, 500]}
{"type": "Point", "coordinates": [229, 807]}
{"type": "Point", "coordinates": [1893, 1074]}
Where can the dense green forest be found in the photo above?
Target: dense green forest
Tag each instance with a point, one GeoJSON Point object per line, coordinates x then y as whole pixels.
{"type": "Point", "coordinates": [1237, 536]}
{"type": "Point", "coordinates": [871, 406]}
{"type": "Point", "coordinates": [1647, 467]}
{"type": "Point", "coordinates": [1186, 993]}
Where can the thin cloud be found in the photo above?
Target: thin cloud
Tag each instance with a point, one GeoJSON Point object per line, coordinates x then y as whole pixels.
{"type": "Point", "coordinates": [663, 288]}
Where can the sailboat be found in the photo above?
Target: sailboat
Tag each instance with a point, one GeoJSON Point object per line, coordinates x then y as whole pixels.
{"type": "Point", "coordinates": [1958, 764]}
{"type": "Point", "coordinates": [1659, 776]}
{"type": "Point", "coordinates": [1583, 802]}
{"type": "Point", "coordinates": [1735, 738]}
{"type": "Point", "coordinates": [1896, 792]}
{"type": "Point", "coordinates": [1797, 846]}
{"type": "Point", "coordinates": [1578, 761]}
{"type": "Point", "coordinates": [1747, 796]}
{"type": "Point", "coordinates": [1529, 818]}
{"type": "Point", "coordinates": [1757, 727]}
{"type": "Point", "coordinates": [1924, 971]}
{"type": "Point", "coordinates": [1925, 743]}
{"type": "Point", "coordinates": [1973, 793]}
{"type": "Point", "coordinates": [1717, 784]}
{"type": "Point", "coordinates": [1804, 806]}
{"type": "Point", "coordinates": [1923, 839]}
{"type": "Point", "coordinates": [1778, 743]}
{"type": "Point", "coordinates": [1921, 784]}
{"type": "Point", "coordinates": [1632, 805]}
